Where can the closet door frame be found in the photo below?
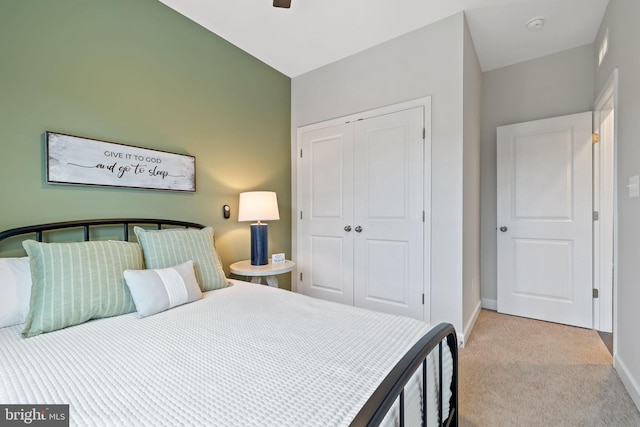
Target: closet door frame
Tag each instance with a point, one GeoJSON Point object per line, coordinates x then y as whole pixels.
{"type": "Point", "coordinates": [425, 103]}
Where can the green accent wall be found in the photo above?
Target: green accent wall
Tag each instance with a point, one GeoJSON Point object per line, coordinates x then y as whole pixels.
{"type": "Point", "coordinates": [139, 73]}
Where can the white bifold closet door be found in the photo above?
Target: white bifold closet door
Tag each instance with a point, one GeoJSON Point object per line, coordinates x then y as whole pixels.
{"type": "Point", "coordinates": [326, 214]}
{"type": "Point", "coordinates": [362, 213]}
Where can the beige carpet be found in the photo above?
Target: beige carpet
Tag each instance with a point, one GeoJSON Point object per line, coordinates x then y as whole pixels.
{"type": "Point", "coordinates": [523, 372]}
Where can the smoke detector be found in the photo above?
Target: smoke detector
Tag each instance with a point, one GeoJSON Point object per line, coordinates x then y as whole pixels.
{"type": "Point", "coordinates": [535, 23]}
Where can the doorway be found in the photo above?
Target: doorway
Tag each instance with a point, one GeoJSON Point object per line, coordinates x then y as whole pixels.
{"type": "Point", "coordinates": [604, 210]}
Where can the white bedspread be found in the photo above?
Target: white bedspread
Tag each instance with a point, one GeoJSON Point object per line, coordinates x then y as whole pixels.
{"type": "Point", "coordinates": [247, 355]}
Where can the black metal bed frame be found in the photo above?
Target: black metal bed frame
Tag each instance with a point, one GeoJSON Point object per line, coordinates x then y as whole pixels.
{"type": "Point", "coordinates": [390, 390]}
{"type": "Point", "coordinates": [392, 387]}
{"type": "Point", "coordinates": [87, 224]}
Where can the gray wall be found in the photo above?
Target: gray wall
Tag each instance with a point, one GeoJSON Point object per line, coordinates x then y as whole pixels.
{"type": "Point", "coordinates": [472, 97]}
{"type": "Point", "coordinates": [426, 62]}
{"type": "Point", "coordinates": [554, 85]}
{"type": "Point", "coordinates": [624, 34]}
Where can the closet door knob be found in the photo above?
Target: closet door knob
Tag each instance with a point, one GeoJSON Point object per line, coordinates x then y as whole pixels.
{"type": "Point", "coordinates": [503, 229]}
{"type": "Point", "coordinates": [347, 228]}
{"type": "Point", "coordinates": [358, 229]}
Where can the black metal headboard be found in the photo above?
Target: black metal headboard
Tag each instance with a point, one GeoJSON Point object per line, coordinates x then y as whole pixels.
{"type": "Point", "coordinates": [87, 223]}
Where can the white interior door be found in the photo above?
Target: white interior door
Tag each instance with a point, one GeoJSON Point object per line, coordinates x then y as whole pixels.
{"type": "Point", "coordinates": [388, 213]}
{"type": "Point", "coordinates": [327, 205]}
{"type": "Point", "coordinates": [544, 218]}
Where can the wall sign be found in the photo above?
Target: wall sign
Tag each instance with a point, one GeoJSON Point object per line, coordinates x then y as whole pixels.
{"type": "Point", "coordinates": [84, 161]}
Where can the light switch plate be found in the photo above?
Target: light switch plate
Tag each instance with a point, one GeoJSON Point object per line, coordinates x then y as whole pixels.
{"type": "Point", "coordinates": [277, 258]}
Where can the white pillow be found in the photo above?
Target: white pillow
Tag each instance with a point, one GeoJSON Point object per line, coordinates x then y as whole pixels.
{"type": "Point", "coordinates": [15, 290]}
{"type": "Point", "coordinates": [160, 289]}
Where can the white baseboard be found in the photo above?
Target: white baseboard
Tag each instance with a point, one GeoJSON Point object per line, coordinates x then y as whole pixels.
{"type": "Point", "coordinates": [490, 304]}
{"type": "Point", "coordinates": [629, 382]}
{"type": "Point", "coordinates": [466, 332]}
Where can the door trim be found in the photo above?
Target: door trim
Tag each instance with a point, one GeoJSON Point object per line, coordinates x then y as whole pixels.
{"type": "Point", "coordinates": [605, 307]}
{"type": "Point", "coordinates": [296, 176]}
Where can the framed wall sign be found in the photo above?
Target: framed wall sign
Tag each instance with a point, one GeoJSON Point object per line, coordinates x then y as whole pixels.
{"type": "Point", "coordinates": [83, 161]}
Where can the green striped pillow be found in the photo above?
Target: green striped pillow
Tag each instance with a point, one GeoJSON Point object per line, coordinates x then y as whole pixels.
{"type": "Point", "coordinates": [76, 282]}
{"type": "Point", "coordinates": [173, 246]}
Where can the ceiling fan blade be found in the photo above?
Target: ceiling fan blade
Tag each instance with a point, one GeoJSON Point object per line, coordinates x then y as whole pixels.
{"type": "Point", "coordinates": [282, 3]}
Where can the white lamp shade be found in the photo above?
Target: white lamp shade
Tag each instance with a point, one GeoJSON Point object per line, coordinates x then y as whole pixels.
{"type": "Point", "coordinates": [258, 206]}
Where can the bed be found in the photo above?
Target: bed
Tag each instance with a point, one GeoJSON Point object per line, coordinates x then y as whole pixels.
{"type": "Point", "coordinates": [218, 352]}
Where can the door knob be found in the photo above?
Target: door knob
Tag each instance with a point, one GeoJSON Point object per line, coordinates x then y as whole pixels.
{"type": "Point", "coordinates": [347, 228]}
{"type": "Point", "coordinates": [503, 229]}
{"type": "Point", "coordinates": [358, 229]}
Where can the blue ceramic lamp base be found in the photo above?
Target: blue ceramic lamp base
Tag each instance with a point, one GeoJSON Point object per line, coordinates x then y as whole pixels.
{"type": "Point", "coordinates": [259, 244]}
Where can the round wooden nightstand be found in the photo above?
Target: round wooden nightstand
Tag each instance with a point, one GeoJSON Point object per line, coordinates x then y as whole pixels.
{"type": "Point", "coordinates": [257, 272]}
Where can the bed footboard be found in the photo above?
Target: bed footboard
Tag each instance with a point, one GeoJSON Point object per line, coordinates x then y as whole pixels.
{"type": "Point", "coordinates": [392, 387]}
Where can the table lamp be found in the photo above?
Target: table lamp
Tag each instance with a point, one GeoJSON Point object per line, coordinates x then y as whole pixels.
{"type": "Point", "coordinates": [258, 206]}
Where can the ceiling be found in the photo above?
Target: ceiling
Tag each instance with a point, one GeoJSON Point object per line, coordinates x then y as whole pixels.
{"type": "Point", "coordinates": [313, 33]}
